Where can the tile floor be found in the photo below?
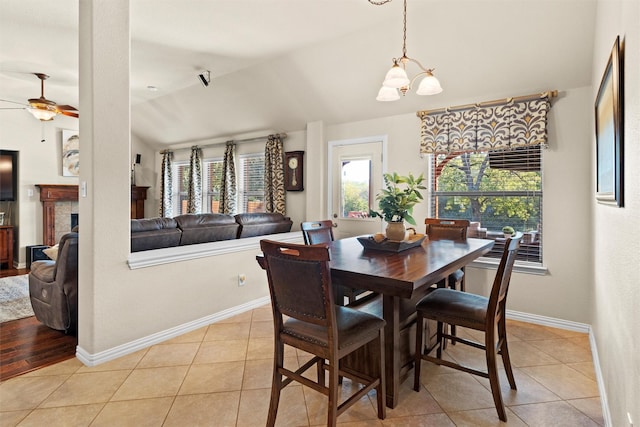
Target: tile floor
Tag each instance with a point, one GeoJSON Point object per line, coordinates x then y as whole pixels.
{"type": "Point", "coordinates": [220, 376]}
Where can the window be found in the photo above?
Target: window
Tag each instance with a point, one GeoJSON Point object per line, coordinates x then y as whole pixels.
{"type": "Point", "coordinates": [492, 189]}
{"type": "Point", "coordinates": [355, 188]}
{"type": "Point", "coordinates": [251, 183]}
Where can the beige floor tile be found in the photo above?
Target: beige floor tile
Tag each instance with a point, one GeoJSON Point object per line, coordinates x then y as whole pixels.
{"type": "Point", "coordinates": [585, 368]}
{"type": "Point", "coordinates": [169, 355]}
{"type": "Point", "coordinates": [431, 420]}
{"type": "Point", "coordinates": [522, 353]}
{"type": "Point", "coordinates": [221, 351]}
{"type": "Point", "coordinates": [81, 415]}
{"type": "Point", "coordinates": [214, 409]}
{"type": "Point", "coordinates": [263, 314]}
{"type": "Point", "coordinates": [528, 390]}
{"type": "Point", "coordinates": [67, 367]}
{"type": "Point", "coordinates": [458, 392]}
{"type": "Point", "coordinates": [582, 341]}
{"type": "Point", "coordinates": [485, 418]}
{"type": "Point", "coordinates": [411, 402]}
{"type": "Point", "coordinates": [254, 406]}
{"type": "Point", "coordinates": [552, 414]}
{"type": "Point", "coordinates": [258, 373]}
{"type": "Point", "coordinates": [261, 329]}
{"type": "Point", "coordinates": [317, 406]}
{"type": "Point", "coordinates": [366, 423]}
{"type": "Point", "coordinates": [81, 389]}
{"type": "Point", "coordinates": [152, 382]}
{"type": "Point", "coordinates": [238, 318]}
{"type": "Point", "coordinates": [28, 392]}
{"type": "Point", "coordinates": [139, 413]}
{"type": "Point", "coordinates": [213, 377]}
{"type": "Point", "coordinates": [128, 362]}
{"type": "Point", "coordinates": [563, 350]}
{"type": "Point", "coordinates": [563, 381]}
{"type": "Point", "coordinates": [262, 348]}
{"type": "Point", "coordinates": [228, 331]}
{"type": "Point", "coordinates": [529, 331]}
{"type": "Point", "coordinates": [193, 336]}
{"type": "Point", "coordinates": [591, 407]}
{"type": "Point", "coordinates": [12, 418]}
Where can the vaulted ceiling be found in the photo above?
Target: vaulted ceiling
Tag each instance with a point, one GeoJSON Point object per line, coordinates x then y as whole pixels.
{"type": "Point", "coordinates": [279, 64]}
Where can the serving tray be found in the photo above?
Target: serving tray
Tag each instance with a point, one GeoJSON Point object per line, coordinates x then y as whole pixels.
{"type": "Point", "coordinates": [392, 245]}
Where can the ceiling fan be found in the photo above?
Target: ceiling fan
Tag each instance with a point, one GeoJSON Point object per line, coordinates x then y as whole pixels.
{"type": "Point", "coordinates": [44, 109]}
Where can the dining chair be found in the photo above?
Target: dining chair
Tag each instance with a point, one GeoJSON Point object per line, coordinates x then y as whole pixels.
{"type": "Point", "coordinates": [315, 232]}
{"type": "Point", "coordinates": [299, 279]}
{"type": "Point", "coordinates": [486, 314]}
{"type": "Point", "coordinates": [450, 229]}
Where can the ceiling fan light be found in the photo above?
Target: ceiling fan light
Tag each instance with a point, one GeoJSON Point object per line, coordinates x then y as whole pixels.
{"type": "Point", "coordinates": [387, 94]}
{"type": "Point", "coordinates": [396, 77]}
{"type": "Point", "coordinates": [429, 86]}
{"type": "Point", "coordinates": [42, 115]}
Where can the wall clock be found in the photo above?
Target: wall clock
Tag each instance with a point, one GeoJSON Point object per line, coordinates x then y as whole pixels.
{"type": "Point", "coordinates": [293, 170]}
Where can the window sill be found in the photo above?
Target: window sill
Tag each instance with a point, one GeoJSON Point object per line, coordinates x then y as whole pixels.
{"type": "Point", "coordinates": [183, 253]}
{"type": "Point", "coordinates": [519, 267]}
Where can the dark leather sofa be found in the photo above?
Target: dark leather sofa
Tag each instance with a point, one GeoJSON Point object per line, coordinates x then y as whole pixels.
{"type": "Point", "coordinates": [190, 229]}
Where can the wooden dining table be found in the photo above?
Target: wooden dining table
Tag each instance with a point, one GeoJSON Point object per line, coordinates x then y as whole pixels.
{"type": "Point", "coordinates": [400, 280]}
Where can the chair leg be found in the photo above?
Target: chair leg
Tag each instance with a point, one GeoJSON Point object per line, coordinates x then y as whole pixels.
{"type": "Point", "coordinates": [439, 340]}
{"type": "Point", "coordinates": [276, 383]}
{"type": "Point", "coordinates": [504, 352]}
{"type": "Point", "coordinates": [332, 404]}
{"type": "Point", "coordinates": [417, 358]}
{"type": "Point", "coordinates": [494, 380]}
{"type": "Point", "coordinates": [320, 372]}
{"type": "Point", "coordinates": [381, 389]}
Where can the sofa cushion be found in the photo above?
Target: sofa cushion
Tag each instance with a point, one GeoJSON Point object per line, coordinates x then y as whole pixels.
{"type": "Point", "coordinates": [208, 227]}
{"type": "Point", "coordinates": [154, 233]}
{"type": "Point", "coordinates": [258, 224]}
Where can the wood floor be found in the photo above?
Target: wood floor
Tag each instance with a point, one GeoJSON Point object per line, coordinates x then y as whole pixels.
{"type": "Point", "coordinates": [26, 344]}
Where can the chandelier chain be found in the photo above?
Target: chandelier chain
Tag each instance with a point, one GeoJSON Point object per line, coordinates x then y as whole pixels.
{"type": "Point", "coordinates": [404, 31]}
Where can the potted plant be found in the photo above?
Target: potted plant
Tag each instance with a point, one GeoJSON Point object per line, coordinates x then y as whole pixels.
{"type": "Point", "coordinates": [396, 202]}
{"type": "Point", "coordinates": [508, 231]}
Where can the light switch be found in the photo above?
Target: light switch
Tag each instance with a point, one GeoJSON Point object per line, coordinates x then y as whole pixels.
{"type": "Point", "coordinates": [83, 189]}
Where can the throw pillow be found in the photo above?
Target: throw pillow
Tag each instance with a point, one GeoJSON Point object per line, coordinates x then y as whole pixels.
{"type": "Point", "coordinates": [51, 252]}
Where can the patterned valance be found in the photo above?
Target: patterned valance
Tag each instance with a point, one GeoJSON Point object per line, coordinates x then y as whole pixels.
{"type": "Point", "coordinates": [496, 125]}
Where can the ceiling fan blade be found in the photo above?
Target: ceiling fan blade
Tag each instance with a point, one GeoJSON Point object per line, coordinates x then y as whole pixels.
{"type": "Point", "coordinates": [14, 102]}
{"type": "Point", "coordinates": [69, 113]}
{"type": "Point", "coordinates": [66, 108]}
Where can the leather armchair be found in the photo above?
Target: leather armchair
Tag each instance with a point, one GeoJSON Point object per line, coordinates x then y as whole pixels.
{"type": "Point", "coordinates": [53, 287]}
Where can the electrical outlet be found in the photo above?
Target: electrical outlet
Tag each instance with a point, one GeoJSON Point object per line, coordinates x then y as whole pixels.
{"type": "Point", "coordinates": [242, 279]}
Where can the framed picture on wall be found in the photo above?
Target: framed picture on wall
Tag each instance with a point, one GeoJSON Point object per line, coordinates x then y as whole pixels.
{"type": "Point", "coordinates": [293, 170]}
{"type": "Point", "coordinates": [609, 115]}
{"type": "Point", "coordinates": [70, 153]}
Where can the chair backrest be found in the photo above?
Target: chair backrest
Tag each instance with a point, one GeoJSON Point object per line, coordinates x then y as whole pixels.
{"type": "Point", "coordinates": [498, 297]}
{"type": "Point", "coordinates": [449, 229]}
{"type": "Point", "coordinates": [315, 232]}
{"type": "Point", "coordinates": [299, 282]}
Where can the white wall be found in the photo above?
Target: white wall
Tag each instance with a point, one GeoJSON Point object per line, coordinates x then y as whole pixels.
{"type": "Point", "coordinates": [565, 292]}
{"type": "Point", "coordinates": [616, 322]}
{"type": "Point", "coordinates": [40, 163]}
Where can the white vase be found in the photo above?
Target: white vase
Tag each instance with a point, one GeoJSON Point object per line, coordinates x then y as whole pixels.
{"type": "Point", "coordinates": [396, 231]}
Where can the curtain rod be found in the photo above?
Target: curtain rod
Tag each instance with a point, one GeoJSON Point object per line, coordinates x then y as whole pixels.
{"type": "Point", "coordinates": [257, 138]}
{"type": "Point", "coordinates": [547, 94]}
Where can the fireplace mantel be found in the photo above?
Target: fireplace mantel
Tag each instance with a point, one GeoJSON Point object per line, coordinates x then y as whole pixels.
{"type": "Point", "coordinates": [50, 194]}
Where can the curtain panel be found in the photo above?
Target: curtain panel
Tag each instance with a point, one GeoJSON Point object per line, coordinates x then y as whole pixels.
{"type": "Point", "coordinates": [194, 201]}
{"type": "Point", "coordinates": [274, 193]}
{"type": "Point", "coordinates": [516, 123]}
{"type": "Point", "coordinates": [166, 186]}
{"type": "Point", "coordinates": [228, 187]}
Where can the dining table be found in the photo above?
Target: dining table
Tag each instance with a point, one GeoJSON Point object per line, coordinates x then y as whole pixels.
{"type": "Point", "coordinates": [398, 280]}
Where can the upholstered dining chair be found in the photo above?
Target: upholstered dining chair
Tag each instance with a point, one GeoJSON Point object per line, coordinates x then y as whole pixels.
{"type": "Point", "coordinates": [315, 232]}
{"type": "Point", "coordinates": [486, 314]}
{"type": "Point", "coordinates": [299, 279]}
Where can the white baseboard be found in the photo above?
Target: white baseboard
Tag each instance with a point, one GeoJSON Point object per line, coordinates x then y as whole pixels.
{"type": "Point", "coordinates": [578, 327]}
{"type": "Point", "coordinates": [93, 359]}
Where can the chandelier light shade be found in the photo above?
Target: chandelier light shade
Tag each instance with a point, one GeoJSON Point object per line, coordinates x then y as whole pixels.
{"type": "Point", "coordinates": [41, 114]}
{"type": "Point", "coordinates": [397, 81]}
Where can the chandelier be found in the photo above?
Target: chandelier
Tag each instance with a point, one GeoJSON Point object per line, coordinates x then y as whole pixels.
{"type": "Point", "coordinates": [396, 80]}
